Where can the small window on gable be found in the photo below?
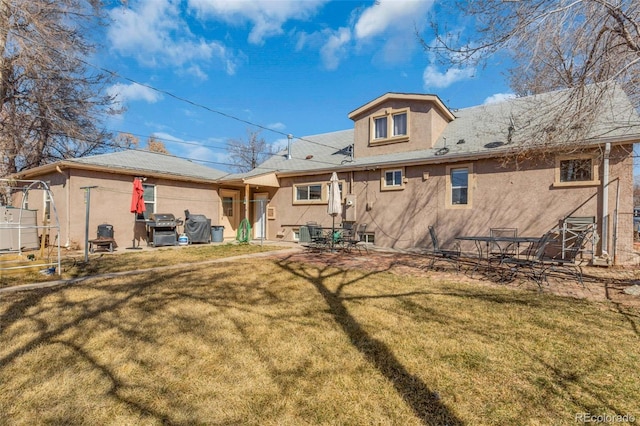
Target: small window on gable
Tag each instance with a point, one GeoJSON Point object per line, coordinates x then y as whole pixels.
{"type": "Point", "coordinates": [391, 126]}
{"type": "Point", "coordinates": [392, 179]}
{"type": "Point", "coordinates": [575, 171]}
{"type": "Point", "coordinates": [380, 127]}
{"type": "Point", "coordinates": [400, 124]}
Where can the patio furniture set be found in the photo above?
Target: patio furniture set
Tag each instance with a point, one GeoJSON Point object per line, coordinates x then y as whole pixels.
{"type": "Point", "coordinates": [345, 238]}
{"type": "Point", "coordinates": [504, 255]}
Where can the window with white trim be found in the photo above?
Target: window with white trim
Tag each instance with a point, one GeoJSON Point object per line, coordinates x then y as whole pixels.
{"type": "Point", "coordinates": [389, 127]}
{"type": "Point", "coordinates": [459, 186]}
{"type": "Point", "coordinates": [392, 179]}
{"type": "Point", "coordinates": [380, 126]}
{"type": "Point", "coordinates": [149, 197]}
{"type": "Point", "coordinates": [309, 192]}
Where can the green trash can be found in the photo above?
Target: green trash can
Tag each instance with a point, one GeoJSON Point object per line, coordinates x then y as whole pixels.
{"type": "Point", "coordinates": [217, 234]}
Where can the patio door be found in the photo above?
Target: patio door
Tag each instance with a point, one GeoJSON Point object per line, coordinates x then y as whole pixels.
{"type": "Point", "coordinates": [230, 211]}
{"type": "Point", "coordinates": [260, 215]}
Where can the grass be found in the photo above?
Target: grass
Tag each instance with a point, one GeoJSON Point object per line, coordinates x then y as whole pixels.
{"type": "Point", "coordinates": [101, 263]}
{"type": "Point", "coordinates": [270, 341]}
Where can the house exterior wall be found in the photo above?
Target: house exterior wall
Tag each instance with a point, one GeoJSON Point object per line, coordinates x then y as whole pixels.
{"type": "Point", "coordinates": [425, 124]}
{"type": "Point", "coordinates": [502, 195]}
{"type": "Point", "coordinates": [111, 201]}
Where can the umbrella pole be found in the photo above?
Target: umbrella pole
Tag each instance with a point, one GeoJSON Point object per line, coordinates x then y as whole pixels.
{"type": "Point", "coordinates": [333, 232]}
{"type": "Point", "coordinates": [133, 241]}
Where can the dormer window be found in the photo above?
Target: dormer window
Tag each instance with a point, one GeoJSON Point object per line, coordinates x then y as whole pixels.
{"type": "Point", "coordinates": [381, 127]}
{"type": "Point", "coordinates": [389, 127]}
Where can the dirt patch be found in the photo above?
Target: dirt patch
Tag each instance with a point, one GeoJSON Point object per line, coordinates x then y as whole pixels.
{"type": "Point", "coordinates": [610, 285]}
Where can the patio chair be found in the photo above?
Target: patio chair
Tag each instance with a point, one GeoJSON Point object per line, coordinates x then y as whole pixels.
{"type": "Point", "coordinates": [319, 240]}
{"type": "Point", "coordinates": [353, 238]}
{"type": "Point", "coordinates": [450, 255]}
{"type": "Point", "coordinates": [532, 263]}
{"type": "Point", "coordinates": [499, 250]}
{"type": "Point", "coordinates": [570, 262]}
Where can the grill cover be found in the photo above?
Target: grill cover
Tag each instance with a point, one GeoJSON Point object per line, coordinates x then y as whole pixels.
{"type": "Point", "coordinates": [198, 228]}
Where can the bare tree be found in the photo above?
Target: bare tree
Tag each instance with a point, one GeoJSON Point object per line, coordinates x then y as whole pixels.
{"type": "Point", "coordinates": [51, 103]}
{"type": "Point", "coordinates": [247, 154]}
{"type": "Point", "coordinates": [589, 47]}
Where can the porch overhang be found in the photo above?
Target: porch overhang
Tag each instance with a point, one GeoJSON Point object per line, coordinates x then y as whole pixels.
{"type": "Point", "coordinates": [269, 180]}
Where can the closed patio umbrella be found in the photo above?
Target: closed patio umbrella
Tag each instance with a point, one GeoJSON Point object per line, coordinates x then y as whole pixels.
{"type": "Point", "coordinates": [334, 207]}
{"type": "Point", "coordinates": [137, 206]}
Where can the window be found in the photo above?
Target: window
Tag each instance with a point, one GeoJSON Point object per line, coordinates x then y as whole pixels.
{"type": "Point", "coordinates": [459, 186]}
{"type": "Point", "coordinates": [400, 124]}
{"type": "Point", "coordinates": [392, 179]}
{"type": "Point", "coordinates": [227, 206]}
{"type": "Point", "coordinates": [380, 127]}
{"type": "Point", "coordinates": [369, 237]}
{"type": "Point", "coordinates": [390, 127]}
{"type": "Point", "coordinates": [577, 170]}
{"type": "Point", "coordinates": [311, 192]}
{"type": "Point", "coordinates": [149, 197]}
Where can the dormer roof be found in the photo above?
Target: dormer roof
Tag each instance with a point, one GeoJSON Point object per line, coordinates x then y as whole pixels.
{"type": "Point", "coordinates": [391, 96]}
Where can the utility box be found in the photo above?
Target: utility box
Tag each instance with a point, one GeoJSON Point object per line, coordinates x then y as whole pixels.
{"type": "Point", "coordinates": [350, 208]}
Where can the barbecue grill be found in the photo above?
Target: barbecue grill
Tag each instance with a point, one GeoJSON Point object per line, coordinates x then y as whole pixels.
{"type": "Point", "coordinates": [162, 229]}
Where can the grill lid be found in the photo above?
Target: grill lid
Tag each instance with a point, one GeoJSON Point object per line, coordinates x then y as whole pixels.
{"type": "Point", "coordinates": [162, 217]}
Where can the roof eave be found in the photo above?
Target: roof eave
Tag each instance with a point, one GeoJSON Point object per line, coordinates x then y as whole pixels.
{"type": "Point", "coordinates": [403, 96]}
{"type": "Point", "coordinates": [66, 164]}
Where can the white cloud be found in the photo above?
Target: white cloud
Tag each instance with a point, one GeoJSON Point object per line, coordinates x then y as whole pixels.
{"type": "Point", "coordinates": [433, 78]}
{"type": "Point", "coordinates": [397, 15]}
{"type": "Point", "coordinates": [266, 16]}
{"type": "Point", "coordinates": [335, 48]}
{"type": "Point", "coordinates": [499, 97]}
{"type": "Point", "coordinates": [155, 34]}
{"type": "Point", "coordinates": [133, 92]}
{"type": "Point", "coordinates": [277, 126]}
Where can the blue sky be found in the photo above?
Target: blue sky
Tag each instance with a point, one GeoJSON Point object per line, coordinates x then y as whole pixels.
{"type": "Point", "coordinates": [295, 66]}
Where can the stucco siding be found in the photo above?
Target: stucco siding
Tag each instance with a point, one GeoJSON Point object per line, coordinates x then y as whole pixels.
{"type": "Point", "coordinates": [524, 196]}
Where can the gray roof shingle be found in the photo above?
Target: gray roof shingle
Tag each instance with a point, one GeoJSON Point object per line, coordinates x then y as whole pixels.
{"type": "Point", "coordinates": [146, 161]}
{"type": "Point", "coordinates": [481, 130]}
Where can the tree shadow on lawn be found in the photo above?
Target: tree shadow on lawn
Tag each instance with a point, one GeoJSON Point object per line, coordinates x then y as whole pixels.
{"type": "Point", "coordinates": [425, 403]}
{"type": "Point", "coordinates": [79, 320]}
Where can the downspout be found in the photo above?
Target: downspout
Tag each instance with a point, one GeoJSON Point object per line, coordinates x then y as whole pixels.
{"type": "Point", "coordinates": [615, 223]}
{"type": "Point", "coordinates": [605, 201]}
{"type": "Point", "coordinates": [68, 203]}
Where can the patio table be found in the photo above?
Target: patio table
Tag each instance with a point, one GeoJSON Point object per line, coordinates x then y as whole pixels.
{"type": "Point", "coordinates": [483, 244]}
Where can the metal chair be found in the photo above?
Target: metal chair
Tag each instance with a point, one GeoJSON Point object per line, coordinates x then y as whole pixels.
{"type": "Point", "coordinates": [567, 259]}
{"type": "Point", "coordinates": [450, 255]}
{"type": "Point", "coordinates": [353, 238]}
{"type": "Point", "coordinates": [318, 238]}
{"type": "Point", "coordinates": [533, 263]}
{"type": "Point", "coordinates": [497, 250]}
